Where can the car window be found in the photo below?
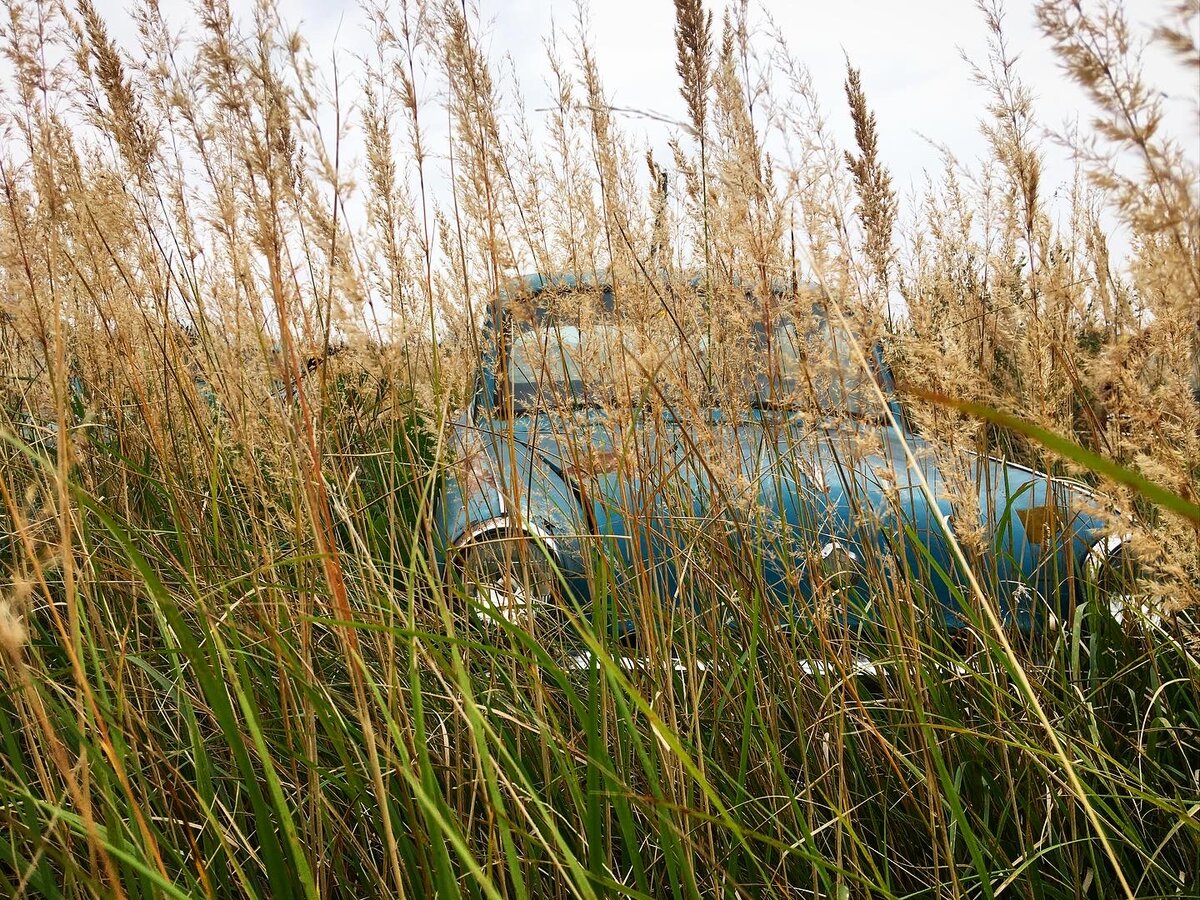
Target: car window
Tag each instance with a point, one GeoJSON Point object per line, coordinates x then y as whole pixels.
{"type": "Point", "coordinates": [808, 364]}
{"type": "Point", "coordinates": [555, 363]}
{"type": "Point", "coordinates": [596, 357]}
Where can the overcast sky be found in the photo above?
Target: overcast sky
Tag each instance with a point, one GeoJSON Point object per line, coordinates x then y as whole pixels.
{"type": "Point", "coordinates": [909, 53]}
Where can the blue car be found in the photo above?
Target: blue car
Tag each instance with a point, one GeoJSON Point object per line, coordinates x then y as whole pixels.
{"type": "Point", "coordinates": [589, 485]}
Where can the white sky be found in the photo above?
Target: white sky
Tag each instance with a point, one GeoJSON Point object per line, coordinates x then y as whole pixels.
{"type": "Point", "coordinates": [909, 53]}
{"type": "Point", "coordinates": [907, 50]}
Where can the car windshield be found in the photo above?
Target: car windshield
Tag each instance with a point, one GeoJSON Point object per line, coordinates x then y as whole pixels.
{"type": "Point", "coordinates": [809, 364]}
{"type": "Point", "coordinates": [561, 363]}
{"type": "Point", "coordinates": [780, 361]}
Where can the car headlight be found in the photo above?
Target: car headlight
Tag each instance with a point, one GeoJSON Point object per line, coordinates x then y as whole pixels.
{"type": "Point", "coordinates": [839, 567]}
{"type": "Point", "coordinates": [1110, 568]}
{"type": "Point", "coordinates": [509, 574]}
{"type": "Point", "coordinates": [1111, 571]}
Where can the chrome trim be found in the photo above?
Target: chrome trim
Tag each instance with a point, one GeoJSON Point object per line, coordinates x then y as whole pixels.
{"type": "Point", "coordinates": [1056, 480]}
{"type": "Point", "coordinates": [857, 666]}
{"type": "Point", "coordinates": [506, 523]}
{"type": "Point", "coordinates": [1102, 549]}
{"type": "Point", "coordinates": [838, 545]}
{"type": "Point", "coordinates": [584, 662]}
{"type": "Point", "coordinates": [509, 604]}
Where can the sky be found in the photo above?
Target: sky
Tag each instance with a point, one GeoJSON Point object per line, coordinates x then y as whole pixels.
{"type": "Point", "coordinates": [910, 54]}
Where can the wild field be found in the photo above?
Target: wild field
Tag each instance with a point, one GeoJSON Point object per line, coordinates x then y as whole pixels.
{"type": "Point", "coordinates": [233, 663]}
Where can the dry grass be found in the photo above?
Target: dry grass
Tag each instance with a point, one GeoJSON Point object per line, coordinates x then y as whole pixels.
{"type": "Point", "coordinates": [231, 666]}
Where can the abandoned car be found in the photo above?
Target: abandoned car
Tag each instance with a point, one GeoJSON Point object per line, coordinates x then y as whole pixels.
{"type": "Point", "coordinates": [614, 456]}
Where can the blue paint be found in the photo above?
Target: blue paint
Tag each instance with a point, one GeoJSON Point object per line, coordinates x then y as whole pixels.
{"type": "Point", "coordinates": [538, 472]}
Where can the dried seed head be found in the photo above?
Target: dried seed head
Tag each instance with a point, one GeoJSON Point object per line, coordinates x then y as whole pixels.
{"type": "Point", "coordinates": [13, 633]}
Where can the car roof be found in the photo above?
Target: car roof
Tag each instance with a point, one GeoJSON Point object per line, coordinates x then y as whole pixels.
{"type": "Point", "coordinates": [533, 285]}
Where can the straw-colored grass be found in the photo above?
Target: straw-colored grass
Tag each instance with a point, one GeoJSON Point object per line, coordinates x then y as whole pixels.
{"type": "Point", "coordinates": [231, 664]}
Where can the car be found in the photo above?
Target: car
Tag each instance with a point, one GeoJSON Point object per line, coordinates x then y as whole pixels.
{"type": "Point", "coordinates": [594, 481]}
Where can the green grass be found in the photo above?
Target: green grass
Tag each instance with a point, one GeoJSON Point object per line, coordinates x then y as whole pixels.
{"type": "Point", "coordinates": [231, 735]}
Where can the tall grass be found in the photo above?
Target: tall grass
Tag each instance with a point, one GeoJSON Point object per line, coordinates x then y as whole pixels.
{"type": "Point", "coordinates": [232, 665]}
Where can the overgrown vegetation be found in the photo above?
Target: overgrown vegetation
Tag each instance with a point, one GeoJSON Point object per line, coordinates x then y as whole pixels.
{"type": "Point", "coordinates": [230, 664]}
